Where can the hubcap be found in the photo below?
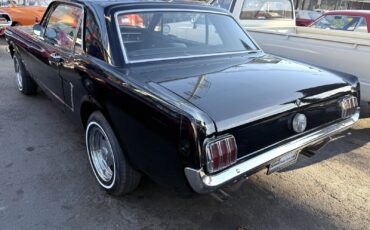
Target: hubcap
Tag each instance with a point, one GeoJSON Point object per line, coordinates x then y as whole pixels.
{"type": "Point", "coordinates": [100, 154]}
{"type": "Point", "coordinates": [18, 74]}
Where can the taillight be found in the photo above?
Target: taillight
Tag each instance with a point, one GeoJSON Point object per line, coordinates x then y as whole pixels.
{"type": "Point", "coordinates": [348, 105]}
{"type": "Point", "coordinates": [37, 19]}
{"type": "Point", "coordinates": [220, 153]}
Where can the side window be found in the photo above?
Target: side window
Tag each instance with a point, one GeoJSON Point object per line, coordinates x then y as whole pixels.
{"type": "Point", "coordinates": [362, 27]}
{"type": "Point", "coordinates": [93, 41]}
{"type": "Point", "coordinates": [61, 28]}
{"type": "Point", "coordinates": [338, 22]}
{"type": "Point", "coordinates": [225, 4]}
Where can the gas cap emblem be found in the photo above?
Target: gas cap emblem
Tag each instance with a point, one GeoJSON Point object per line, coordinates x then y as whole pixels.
{"type": "Point", "coordinates": [299, 123]}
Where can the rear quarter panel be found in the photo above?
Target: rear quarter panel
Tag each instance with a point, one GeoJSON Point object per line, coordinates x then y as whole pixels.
{"type": "Point", "coordinates": [148, 132]}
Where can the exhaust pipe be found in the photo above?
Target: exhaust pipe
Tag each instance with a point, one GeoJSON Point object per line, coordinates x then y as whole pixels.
{"type": "Point", "coordinates": [311, 150]}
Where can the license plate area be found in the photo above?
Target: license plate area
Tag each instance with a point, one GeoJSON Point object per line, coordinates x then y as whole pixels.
{"type": "Point", "coordinates": [283, 161]}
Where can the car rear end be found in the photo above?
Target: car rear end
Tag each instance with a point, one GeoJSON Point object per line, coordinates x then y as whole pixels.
{"type": "Point", "coordinates": [274, 142]}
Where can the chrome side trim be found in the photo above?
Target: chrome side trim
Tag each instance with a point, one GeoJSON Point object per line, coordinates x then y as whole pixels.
{"type": "Point", "coordinates": [72, 103]}
{"type": "Point", "coordinates": [203, 183]}
{"type": "Point", "coordinates": [56, 96]}
{"type": "Point", "coordinates": [330, 93]}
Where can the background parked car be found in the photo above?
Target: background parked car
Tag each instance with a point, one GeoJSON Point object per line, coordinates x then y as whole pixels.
{"type": "Point", "coordinates": [334, 49]}
{"type": "Point", "coordinates": [259, 13]}
{"type": "Point", "coordinates": [306, 17]}
{"type": "Point", "coordinates": [353, 20]}
{"type": "Point", "coordinates": [24, 12]}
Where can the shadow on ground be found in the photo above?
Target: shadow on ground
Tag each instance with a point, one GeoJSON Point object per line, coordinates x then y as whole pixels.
{"type": "Point", "coordinates": [345, 143]}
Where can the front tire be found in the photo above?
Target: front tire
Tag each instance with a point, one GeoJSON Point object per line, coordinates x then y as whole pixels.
{"type": "Point", "coordinates": [107, 159]}
{"type": "Point", "coordinates": [25, 83]}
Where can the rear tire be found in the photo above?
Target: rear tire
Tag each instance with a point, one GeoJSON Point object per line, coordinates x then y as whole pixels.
{"type": "Point", "coordinates": [25, 83]}
{"type": "Point", "coordinates": [107, 159]}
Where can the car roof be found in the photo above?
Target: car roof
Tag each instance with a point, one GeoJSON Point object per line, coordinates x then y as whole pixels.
{"type": "Point", "coordinates": [188, 4]}
{"type": "Point", "coordinates": [106, 3]}
{"type": "Point", "coordinates": [349, 12]}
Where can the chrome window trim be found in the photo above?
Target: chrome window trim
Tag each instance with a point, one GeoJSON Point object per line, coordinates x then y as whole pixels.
{"type": "Point", "coordinates": [128, 61]}
{"type": "Point", "coordinates": [81, 25]}
{"type": "Point", "coordinates": [53, 7]}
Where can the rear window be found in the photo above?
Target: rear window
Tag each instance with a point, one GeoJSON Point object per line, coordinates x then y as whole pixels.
{"type": "Point", "coordinates": [267, 9]}
{"type": "Point", "coordinates": [166, 35]}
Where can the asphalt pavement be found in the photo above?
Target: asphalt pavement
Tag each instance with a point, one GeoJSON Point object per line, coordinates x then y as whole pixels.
{"type": "Point", "coordinates": [46, 181]}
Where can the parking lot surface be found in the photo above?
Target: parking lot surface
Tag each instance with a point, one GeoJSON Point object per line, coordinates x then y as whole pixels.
{"type": "Point", "coordinates": [46, 181]}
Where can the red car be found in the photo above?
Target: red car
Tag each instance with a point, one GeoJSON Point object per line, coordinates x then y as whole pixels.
{"type": "Point", "coordinates": [5, 21]}
{"type": "Point", "coordinates": [349, 20]}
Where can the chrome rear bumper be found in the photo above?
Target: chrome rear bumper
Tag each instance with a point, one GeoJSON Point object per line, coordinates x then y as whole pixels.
{"type": "Point", "coordinates": [203, 183]}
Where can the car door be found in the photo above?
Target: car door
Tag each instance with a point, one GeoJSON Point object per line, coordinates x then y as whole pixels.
{"type": "Point", "coordinates": [60, 32]}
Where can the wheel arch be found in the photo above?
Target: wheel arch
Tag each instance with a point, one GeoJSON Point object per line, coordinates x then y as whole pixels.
{"type": "Point", "coordinates": [88, 106]}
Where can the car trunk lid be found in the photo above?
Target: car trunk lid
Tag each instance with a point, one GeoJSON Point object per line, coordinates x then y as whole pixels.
{"type": "Point", "coordinates": [256, 89]}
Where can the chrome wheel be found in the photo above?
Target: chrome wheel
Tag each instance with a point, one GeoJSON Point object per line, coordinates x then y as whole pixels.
{"type": "Point", "coordinates": [100, 155]}
{"type": "Point", "coordinates": [18, 74]}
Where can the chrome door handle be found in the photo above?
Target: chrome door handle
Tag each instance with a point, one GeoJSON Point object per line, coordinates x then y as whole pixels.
{"type": "Point", "coordinates": [56, 58]}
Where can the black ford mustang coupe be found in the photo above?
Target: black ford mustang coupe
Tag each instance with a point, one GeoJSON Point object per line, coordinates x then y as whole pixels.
{"type": "Point", "coordinates": [177, 91]}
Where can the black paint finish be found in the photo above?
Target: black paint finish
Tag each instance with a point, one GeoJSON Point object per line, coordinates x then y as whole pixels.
{"type": "Point", "coordinates": [163, 111]}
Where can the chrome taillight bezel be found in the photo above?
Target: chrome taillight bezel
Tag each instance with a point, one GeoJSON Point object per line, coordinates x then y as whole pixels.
{"type": "Point", "coordinates": [223, 163]}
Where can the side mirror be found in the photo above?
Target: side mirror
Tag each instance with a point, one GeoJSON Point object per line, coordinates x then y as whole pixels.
{"type": "Point", "coordinates": [50, 34]}
{"type": "Point", "coordinates": [37, 29]}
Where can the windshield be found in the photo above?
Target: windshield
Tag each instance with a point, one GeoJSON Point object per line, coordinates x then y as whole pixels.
{"type": "Point", "coordinates": [267, 9]}
{"type": "Point", "coordinates": [166, 35]}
